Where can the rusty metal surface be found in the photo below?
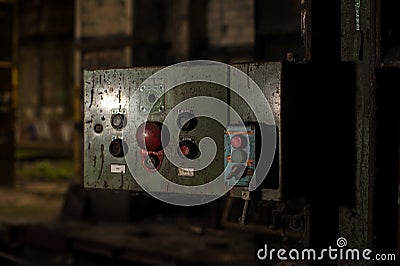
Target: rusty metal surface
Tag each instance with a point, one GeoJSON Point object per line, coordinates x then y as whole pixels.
{"type": "Point", "coordinates": [110, 90]}
{"type": "Point", "coordinates": [268, 78]}
{"type": "Point", "coordinates": [356, 222]}
{"type": "Point", "coordinates": [107, 90]}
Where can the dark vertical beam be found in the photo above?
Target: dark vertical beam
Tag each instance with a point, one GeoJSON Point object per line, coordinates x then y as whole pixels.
{"type": "Point", "coordinates": [386, 219]}
{"type": "Point", "coordinates": [40, 50]}
{"type": "Point", "coordinates": [387, 161]}
{"type": "Point", "coordinates": [6, 129]}
{"type": "Point", "coordinates": [277, 29]}
{"type": "Point", "coordinates": [197, 28]}
{"type": "Point", "coordinates": [305, 19]}
{"type": "Point", "coordinates": [322, 33]}
{"type": "Point", "coordinates": [360, 44]}
{"type": "Point", "coordinates": [77, 96]}
{"type": "Point", "coordinates": [7, 70]}
{"type": "Point", "coordinates": [149, 34]}
{"type": "Point", "coordinates": [390, 30]}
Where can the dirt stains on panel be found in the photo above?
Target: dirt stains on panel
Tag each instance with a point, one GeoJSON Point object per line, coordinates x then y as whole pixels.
{"type": "Point", "coordinates": [102, 160]}
{"type": "Point", "coordinates": [91, 98]}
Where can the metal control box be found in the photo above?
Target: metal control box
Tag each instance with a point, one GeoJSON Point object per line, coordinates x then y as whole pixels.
{"type": "Point", "coordinates": [112, 97]}
{"type": "Point", "coordinates": [117, 103]}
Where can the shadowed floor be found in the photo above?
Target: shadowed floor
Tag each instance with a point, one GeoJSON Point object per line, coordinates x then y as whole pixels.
{"type": "Point", "coordinates": [31, 200]}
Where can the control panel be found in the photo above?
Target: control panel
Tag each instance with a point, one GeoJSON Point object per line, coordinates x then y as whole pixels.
{"type": "Point", "coordinates": [127, 135]}
{"type": "Point", "coordinates": [240, 155]}
{"type": "Point", "coordinates": [144, 132]}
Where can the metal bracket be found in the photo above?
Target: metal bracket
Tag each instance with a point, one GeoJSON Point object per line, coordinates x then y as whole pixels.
{"type": "Point", "coordinates": [152, 96]}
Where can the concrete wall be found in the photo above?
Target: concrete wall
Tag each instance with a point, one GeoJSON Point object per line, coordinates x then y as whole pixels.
{"type": "Point", "coordinates": [45, 71]}
{"type": "Point", "coordinates": [231, 23]}
{"type": "Point", "coordinates": [155, 32]}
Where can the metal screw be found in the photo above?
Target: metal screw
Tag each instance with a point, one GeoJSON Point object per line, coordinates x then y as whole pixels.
{"type": "Point", "coordinates": [246, 195]}
{"type": "Point", "coordinates": [142, 88]}
{"type": "Point", "coordinates": [161, 108]}
{"type": "Point", "coordinates": [142, 108]}
{"type": "Point", "coordinates": [292, 57]}
{"type": "Point", "coordinates": [98, 128]}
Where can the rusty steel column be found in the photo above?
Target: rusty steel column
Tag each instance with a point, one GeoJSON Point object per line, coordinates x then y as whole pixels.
{"type": "Point", "coordinates": [321, 31]}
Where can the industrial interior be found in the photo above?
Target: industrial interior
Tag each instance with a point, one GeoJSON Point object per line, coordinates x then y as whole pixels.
{"type": "Point", "coordinates": [85, 98]}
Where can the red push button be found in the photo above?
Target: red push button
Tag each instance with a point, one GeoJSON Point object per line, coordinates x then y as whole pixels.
{"type": "Point", "coordinates": [188, 149]}
{"type": "Point", "coordinates": [148, 136]}
{"type": "Point", "coordinates": [185, 149]}
{"type": "Point", "coordinates": [238, 142]}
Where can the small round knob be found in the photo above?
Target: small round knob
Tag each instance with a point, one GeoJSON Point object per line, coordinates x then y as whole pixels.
{"type": "Point", "coordinates": [188, 149]}
{"type": "Point", "coordinates": [151, 162]}
{"type": "Point", "coordinates": [239, 156]}
{"type": "Point", "coordinates": [186, 121]}
{"type": "Point", "coordinates": [118, 121]}
{"type": "Point", "coordinates": [118, 148]}
{"type": "Point", "coordinates": [238, 142]}
{"type": "Point", "coordinates": [98, 128]}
